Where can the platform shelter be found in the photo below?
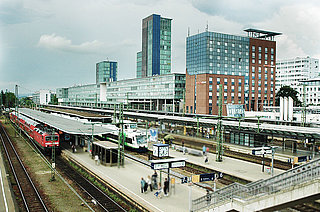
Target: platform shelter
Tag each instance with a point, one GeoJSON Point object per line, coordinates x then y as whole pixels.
{"type": "Point", "coordinates": [106, 151]}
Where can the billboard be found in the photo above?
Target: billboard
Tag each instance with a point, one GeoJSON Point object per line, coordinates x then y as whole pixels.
{"type": "Point", "coordinates": [153, 135]}
{"type": "Point", "coordinates": [235, 110]}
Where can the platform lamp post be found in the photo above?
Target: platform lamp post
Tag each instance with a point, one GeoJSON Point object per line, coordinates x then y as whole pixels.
{"type": "Point", "coordinates": [53, 158]}
{"type": "Point", "coordinates": [121, 138]}
{"type": "Point", "coordinates": [92, 130]}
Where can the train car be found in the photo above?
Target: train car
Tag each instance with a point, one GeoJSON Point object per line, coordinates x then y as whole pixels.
{"type": "Point", "coordinates": [135, 139]}
{"type": "Point", "coordinates": [42, 136]}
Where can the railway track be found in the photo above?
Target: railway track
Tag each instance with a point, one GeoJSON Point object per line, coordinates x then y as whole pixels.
{"type": "Point", "coordinates": [31, 197]}
{"type": "Point", "coordinates": [99, 197]}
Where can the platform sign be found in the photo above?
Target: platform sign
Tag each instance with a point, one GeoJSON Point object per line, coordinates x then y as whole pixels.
{"type": "Point", "coordinates": [262, 151]}
{"type": "Point", "coordinates": [185, 180]}
{"type": "Point", "coordinates": [178, 164]}
{"type": "Point", "coordinates": [207, 177]}
{"type": "Point", "coordinates": [158, 166]}
{"type": "Point", "coordinates": [195, 178]}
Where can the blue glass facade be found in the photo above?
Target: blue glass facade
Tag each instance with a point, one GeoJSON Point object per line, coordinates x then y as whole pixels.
{"type": "Point", "coordinates": [217, 53]}
{"type": "Point", "coordinates": [156, 47]}
{"type": "Point", "coordinates": [106, 71]}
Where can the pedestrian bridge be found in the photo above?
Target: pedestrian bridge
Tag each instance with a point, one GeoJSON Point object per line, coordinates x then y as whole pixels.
{"type": "Point", "coordinates": [278, 192]}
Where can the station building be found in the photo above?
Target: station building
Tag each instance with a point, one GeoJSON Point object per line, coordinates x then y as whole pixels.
{"type": "Point", "coordinates": [161, 93]}
{"type": "Point", "coordinates": [244, 65]}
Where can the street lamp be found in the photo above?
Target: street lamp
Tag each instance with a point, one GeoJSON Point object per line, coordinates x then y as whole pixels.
{"type": "Point", "coordinates": [92, 130]}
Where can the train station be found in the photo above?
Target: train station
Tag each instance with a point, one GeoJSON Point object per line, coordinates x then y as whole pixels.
{"type": "Point", "coordinates": [87, 143]}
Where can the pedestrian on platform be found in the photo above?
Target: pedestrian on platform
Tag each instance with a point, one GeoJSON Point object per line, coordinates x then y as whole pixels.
{"type": "Point", "coordinates": [159, 191]}
{"type": "Point", "coordinates": [142, 182]}
{"type": "Point", "coordinates": [149, 183]}
{"type": "Point", "coordinates": [166, 187]}
{"type": "Point", "coordinates": [73, 148]}
{"type": "Point", "coordinates": [154, 179]}
{"type": "Point", "coordinates": [96, 159]}
{"type": "Point", "coordinates": [206, 159]}
{"type": "Point", "coordinates": [208, 197]}
{"type": "Point", "coordinates": [204, 150]}
{"type": "Point", "coordinates": [207, 150]}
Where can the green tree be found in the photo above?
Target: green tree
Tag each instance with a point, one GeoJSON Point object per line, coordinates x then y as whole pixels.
{"type": "Point", "coordinates": [26, 102]}
{"type": "Point", "coordinates": [54, 100]}
{"type": "Point", "coordinates": [287, 91]}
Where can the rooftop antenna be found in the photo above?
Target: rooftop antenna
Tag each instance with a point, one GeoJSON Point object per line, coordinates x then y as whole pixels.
{"type": "Point", "coordinates": [188, 31]}
{"type": "Point", "coordinates": [207, 28]}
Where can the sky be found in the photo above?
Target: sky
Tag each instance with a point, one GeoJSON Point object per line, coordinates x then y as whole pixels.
{"type": "Point", "coordinates": [49, 44]}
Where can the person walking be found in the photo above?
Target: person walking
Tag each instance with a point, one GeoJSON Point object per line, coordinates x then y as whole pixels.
{"type": "Point", "coordinates": [208, 197]}
{"type": "Point", "coordinates": [73, 148]}
{"type": "Point", "coordinates": [149, 183]}
{"type": "Point", "coordinates": [206, 159]}
{"type": "Point", "coordinates": [203, 150]}
{"type": "Point", "coordinates": [207, 150]}
{"type": "Point", "coordinates": [143, 183]}
{"type": "Point", "coordinates": [166, 187]}
{"type": "Point", "coordinates": [159, 191]}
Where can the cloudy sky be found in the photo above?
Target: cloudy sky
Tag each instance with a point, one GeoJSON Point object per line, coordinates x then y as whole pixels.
{"type": "Point", "coordinates": [46, 44]}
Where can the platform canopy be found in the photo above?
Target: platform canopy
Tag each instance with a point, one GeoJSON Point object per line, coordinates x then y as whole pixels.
{"type": "Point", "coordinates": [70, 126]}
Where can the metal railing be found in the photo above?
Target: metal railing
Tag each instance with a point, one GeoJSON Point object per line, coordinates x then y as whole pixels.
{"type": "Point", "coordinates": [250, 191]}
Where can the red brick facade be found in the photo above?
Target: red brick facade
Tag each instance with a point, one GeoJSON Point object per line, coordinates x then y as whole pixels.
{"type": "Point", "coordinates": [206, 87]}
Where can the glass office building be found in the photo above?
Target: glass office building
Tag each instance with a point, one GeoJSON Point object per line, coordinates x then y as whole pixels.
{"type": "Point", "coordinates": [250, 61]}
{"type": "Point", "coordinates": [106, 71]}
{"type": "Point", "coordinates": [156, 47]}
{"type": "Point", "coordinates": [139, 65]}
{"type": "Point", "coordinates": [217, 53]}
{"type": "Point", "coordinates": [160, 93]}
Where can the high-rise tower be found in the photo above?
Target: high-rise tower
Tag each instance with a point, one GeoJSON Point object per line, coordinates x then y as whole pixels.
{"type": "Point", "coordinates": [155, 57]}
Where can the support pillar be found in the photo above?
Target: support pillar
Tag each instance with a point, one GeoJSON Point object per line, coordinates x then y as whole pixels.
{"type": "Point", "coordinates": [76, 140]}
{"type": "Point", "coordinates": [165, 105]}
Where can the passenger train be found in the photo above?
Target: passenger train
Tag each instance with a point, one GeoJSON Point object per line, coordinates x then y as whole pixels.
{"type": "Point", "coordinates": [42, 136]}
{"type": "Point", "coordinates": [135, 139]}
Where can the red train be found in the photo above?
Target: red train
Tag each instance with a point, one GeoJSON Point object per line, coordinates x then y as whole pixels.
{"type": "Point", "coordinates": [39, 133]}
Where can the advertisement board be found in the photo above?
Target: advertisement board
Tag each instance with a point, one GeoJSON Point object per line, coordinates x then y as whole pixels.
{"type": "Point", "coordinates": [235, 110]}
{"type": "Point", "coordinates": [153, 135]}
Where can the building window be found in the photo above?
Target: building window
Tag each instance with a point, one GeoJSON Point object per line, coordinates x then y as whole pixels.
{"type": "Point", "coordinates": [253, 48]}
{"type": "Point", "coordinates": [259, 49]}
{"type": "Point", "coordinates": [272, 51]}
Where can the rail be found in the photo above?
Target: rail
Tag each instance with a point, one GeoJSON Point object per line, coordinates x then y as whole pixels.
{"type": "Point", "coordinates": [292, 177]}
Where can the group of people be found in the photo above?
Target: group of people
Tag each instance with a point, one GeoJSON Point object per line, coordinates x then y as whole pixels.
{"type": "Point", "coordinates": [151, 182]}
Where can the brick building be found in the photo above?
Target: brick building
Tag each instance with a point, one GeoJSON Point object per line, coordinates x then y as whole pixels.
{"type": "Point", "coordinates": [245, 66]}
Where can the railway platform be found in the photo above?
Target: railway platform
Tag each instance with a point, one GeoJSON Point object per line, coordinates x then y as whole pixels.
{"type": "Point", "coordinates": [127, 180]}
{"type": "Point", "coordinates": [280, 154]}
{"type": "Point", "coordinates": [234, 167]}
{"type": "Point", "coordinates": [6, 200]}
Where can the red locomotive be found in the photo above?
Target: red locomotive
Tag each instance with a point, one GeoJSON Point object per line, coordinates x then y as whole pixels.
{"type": "Point", "coordinates": [39, 133]}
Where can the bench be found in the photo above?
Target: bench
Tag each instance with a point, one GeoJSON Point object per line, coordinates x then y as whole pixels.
{"type": "Point", "coordinates": [180, 149]}
{"type": "Point", "coordinates": [195, 152]}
